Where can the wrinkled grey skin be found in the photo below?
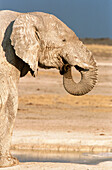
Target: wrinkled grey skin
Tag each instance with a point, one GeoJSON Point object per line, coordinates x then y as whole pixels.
{"type": "Point", "coordinates": [28, 41]}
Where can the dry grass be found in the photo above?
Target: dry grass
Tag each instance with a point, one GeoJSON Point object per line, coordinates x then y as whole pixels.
{"type": "Point", "coordinates": [54, 99]}
{"type": "Point", "coordinates": [100, 48]}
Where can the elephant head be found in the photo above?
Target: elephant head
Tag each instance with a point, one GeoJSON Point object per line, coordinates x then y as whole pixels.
{"type": "Point", "coordinates": [42, 39]}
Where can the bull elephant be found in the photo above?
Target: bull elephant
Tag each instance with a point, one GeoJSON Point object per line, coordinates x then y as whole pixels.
{"type": "Point", "coordinates": [29, 41]}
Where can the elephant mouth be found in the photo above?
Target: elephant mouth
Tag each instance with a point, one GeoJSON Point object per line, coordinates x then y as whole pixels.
{"type": "Point", "coordinates": [66, 67]}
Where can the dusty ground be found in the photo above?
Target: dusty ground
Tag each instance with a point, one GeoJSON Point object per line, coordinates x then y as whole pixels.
{"type": "Point", "coordinates": [49, 118]}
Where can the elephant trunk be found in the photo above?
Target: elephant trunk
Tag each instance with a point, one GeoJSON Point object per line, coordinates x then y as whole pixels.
{"type": "Point", "coordinates": [87, 82]}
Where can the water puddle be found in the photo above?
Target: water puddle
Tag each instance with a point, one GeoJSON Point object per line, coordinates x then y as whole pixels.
{"type": "Point", "coordinates": [62, 157]}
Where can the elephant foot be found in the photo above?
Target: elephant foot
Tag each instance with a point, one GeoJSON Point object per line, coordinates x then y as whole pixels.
{"type": "Point", "coordinates": [8, 161]}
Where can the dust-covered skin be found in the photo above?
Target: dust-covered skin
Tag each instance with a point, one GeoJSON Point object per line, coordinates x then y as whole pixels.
{"type": "Point", "coordinates": [28, 41]}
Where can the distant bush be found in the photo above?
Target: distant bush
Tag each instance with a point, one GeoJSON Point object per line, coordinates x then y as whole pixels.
{"type": "Point", "coordinates": [103, 41]}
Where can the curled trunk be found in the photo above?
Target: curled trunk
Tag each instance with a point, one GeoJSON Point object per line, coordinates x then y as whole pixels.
{"type": "Point", "coordinates": [87, 82]}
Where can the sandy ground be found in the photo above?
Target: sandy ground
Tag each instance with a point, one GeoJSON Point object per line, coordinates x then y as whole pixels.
{"type": "Point", "coordinates": [51, 119]}
{"type": "Point", "coordinates": [59, 166]}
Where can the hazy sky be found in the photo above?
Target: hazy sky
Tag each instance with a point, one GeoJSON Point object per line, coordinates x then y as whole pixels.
{"type": "Point", "coordinates": [88, 18]}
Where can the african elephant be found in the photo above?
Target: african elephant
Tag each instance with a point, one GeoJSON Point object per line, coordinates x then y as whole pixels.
{"type": "Point", "coordinates": [29, 41]}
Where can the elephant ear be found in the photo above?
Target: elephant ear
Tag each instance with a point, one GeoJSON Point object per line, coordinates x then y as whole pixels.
{"type": "Point", "coordinates": [25, 40]}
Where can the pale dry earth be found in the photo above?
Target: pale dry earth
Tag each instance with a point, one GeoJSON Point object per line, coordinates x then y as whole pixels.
{"type": "Point", "coordinates": [59, 166]}
{"type": "Point", "coordinates": [51, 119]}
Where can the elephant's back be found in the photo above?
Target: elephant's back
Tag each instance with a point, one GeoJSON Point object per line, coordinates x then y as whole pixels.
{"type": "Point", "coordinates": [6, 17]}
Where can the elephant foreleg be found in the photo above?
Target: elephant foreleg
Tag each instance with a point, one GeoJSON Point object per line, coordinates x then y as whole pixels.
{"type": "Point", "coordinates": [8, 110]}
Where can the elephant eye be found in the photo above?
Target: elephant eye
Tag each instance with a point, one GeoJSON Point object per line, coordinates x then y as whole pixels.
{"type": "Point", "coordinates": [37, 35]}
{"type": "Point", "coordinates": [64, 40]}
